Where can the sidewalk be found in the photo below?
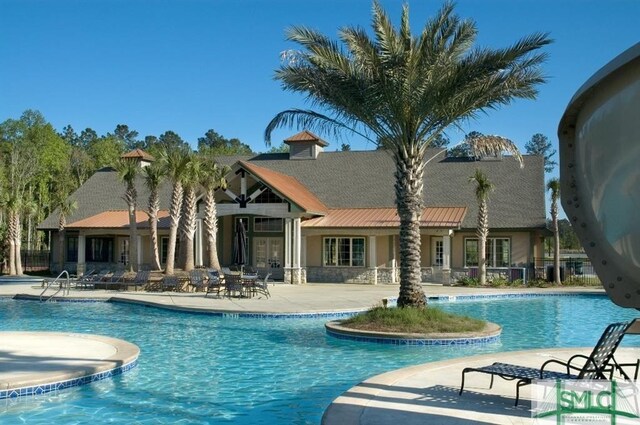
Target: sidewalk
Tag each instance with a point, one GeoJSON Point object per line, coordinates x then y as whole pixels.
{"type": "Point", "coordinates": [309, 298]}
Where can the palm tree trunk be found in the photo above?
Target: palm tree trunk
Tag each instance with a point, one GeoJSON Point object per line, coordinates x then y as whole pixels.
{"type": "Point", "coordinates": [18, 243]}
{"type": "Point", "coordinates": [176, 204]}
{"type": "Point", "coordinates": [188, 228]}
{"type": "Point", "coordinates": [130, 197]}
{"type": "Point", "coordinates": [556, 242]}
{"type": "Point", "coordinates": [409, 188]}
{"type": "Point", "coordinates": [211, 226]}
{"type": "Point", "coordinates": [483, 234]}
{"type": "Point", "coordinates": [154, 207]}
{"type": "Point", "coordinates": [12, 243]}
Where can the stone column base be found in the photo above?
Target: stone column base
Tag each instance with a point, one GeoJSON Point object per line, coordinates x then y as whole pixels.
{"type": "Point", "coordinates": [295, 276]}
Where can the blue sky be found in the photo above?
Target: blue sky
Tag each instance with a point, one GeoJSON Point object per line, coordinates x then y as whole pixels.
{"type": "Point", "coordinates": [193, 65]}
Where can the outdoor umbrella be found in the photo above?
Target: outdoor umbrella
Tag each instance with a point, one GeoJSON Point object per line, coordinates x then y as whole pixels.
{"type": "Point", "coordinates": [240, 244]}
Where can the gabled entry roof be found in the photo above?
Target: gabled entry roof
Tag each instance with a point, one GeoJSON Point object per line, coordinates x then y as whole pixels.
{"type": "Point", "coordinates": [433, 217]}
{"type": "Point", "coordinates": [289, 187]}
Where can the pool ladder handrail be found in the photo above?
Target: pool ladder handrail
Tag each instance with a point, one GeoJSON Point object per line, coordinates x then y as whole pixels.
{"type": "Point", "coordinates": [64, 286]}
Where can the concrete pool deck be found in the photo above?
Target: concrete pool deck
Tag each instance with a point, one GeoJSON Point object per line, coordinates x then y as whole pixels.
{"type": "Point", "coordinates": [39, 362]}
{"type": "Point", "coordinates": [421, 394]}
{"type": "Point", "coordinates": [428, 393]}
{"type": "Point", "coordinates": [310, 298]}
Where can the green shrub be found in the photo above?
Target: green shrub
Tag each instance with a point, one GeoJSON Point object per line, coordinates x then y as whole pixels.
{"type": "Point", "coordinates": [468, 281]}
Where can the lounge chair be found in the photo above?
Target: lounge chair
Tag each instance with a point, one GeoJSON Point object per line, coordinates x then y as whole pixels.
{"type": "Point", "coordinates": [91, 280]}
{"type": "Point", "coordinates": [84, 281]}
{"type": "Point", "coordinates": [169, 283]}
{"type": "Point", "coordinates": [116, 279]}
{"type": "Point", "coordinates": [215, 283]}
{"type": "Point", "coordinates": [196, 279]}
{"type": "Point", "coordinates": [141, 279]}
{"type": "Point", "coordinates": [598, 365]}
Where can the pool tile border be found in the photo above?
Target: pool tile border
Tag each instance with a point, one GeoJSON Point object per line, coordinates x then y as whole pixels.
{"type": "Point", "coordinates": [416, 341]}
{"type": "Point", "coordinates": [68, 383]}
{"type": "Point", "coordinates": [306, 315]}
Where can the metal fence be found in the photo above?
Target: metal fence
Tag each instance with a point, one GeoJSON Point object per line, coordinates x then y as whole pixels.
{"type": "Point", "coordinates": [574, 270]}
{"type": "Point", "coordinates": [35, 261]}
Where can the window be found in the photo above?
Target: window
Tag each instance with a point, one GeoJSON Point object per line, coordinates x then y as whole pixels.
{"type": "Point", "coordinates": [268, 197]}
{"type": "Point", "coordinates": [498, 252]}
{"type": "Point", "coordinates": [72, 249]}
{"type": "Point", "coordinates": [344, 252]}
{"type": "Point", "coordinates": [267, 224]}
{"type": "Point", "coordinates": [99, 250]}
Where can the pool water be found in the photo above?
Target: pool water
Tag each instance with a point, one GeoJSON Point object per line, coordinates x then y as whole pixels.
{"type": "Point", "coordinates": [200, 369]}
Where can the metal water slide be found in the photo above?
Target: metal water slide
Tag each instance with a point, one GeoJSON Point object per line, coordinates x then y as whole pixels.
{"type": "Point", "coordinates": [599, 137]}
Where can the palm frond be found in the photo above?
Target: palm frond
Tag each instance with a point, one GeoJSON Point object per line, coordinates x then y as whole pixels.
{"type": "Point", "coordinates": [493, 146]}
{"type": "Point", "coordinates": [311, 120]}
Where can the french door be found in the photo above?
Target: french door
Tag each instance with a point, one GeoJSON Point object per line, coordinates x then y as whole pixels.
{"type": "Point", "coordinates": [268, 252]}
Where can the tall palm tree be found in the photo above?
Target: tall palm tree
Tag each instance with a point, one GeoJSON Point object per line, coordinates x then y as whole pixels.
{"type": "Point", "coordinates": [553, 185]}
{"type": "Point", "coordinates": [128, 169]}
{"type": "Point", "coordinates": [192, 177]}
{"type": "Point", "coordinates": [13, 222]}
{"type": "Point", "coordinates": [213, 177]}
{"type": "Point", "coordinates": [401, 92]}
{"type": "Point", "coordinates": [483, 188]}
{"type": "Point", "coordinates": [153, 175]}
{"type": "Point", "coordinates": [65, 209]}
{"type": "Point", "coordinates": [174, 163]}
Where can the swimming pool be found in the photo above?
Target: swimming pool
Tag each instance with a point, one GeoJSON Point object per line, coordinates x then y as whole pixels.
{"type": "Point", "coordinates": [199, 369]}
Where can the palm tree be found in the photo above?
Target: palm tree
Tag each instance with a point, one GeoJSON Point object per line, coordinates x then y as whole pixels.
{"type": "Point", "coordinates": [192, 178]}
{"type": "Point", "coordinates": [483, 188]}
{"type": "Point", "coordinates": [13, 222]}
{"type": "Point", "coordinates": [401, 92]}
{"type": "Point", "coordinates": [213, 177]}
{"type": "Point", "coordinates": [174, 163]}
{"type": "Point", "coordinates": [554, 186]}
{"type": "Point", "coordinates": [153, 176]}
{"type": "Point", "coordinates": [65, 209]}
{"type": "Point", "coordinates": [128, 169]}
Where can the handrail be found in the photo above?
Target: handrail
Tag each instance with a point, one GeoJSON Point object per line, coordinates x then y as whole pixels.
{"type": "Point", "coordinates": [64, 286]}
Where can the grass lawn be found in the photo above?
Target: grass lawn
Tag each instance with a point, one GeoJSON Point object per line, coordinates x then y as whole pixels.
{"type": "Point", "coordinates": [412, 320]}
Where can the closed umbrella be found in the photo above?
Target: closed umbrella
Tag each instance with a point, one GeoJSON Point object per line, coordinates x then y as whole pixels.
{"type": "Point", "coordinates": [240, 244]}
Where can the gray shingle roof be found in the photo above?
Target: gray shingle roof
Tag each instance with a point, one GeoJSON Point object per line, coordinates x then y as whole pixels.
{"type": "Point", "coordinates": [104, 191]}
{"type": "Point", "coordinates": [364, 179]}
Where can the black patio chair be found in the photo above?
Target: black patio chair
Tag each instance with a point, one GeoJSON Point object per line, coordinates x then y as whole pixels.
{"type": "Point", "coordinates": [197, 279]}
{"type": "Point", "coordinates": [598, 365]}
{"type": "Point", "coordinates": [214, 284]}
{"type": "Point", "coordinates": [233, 285]}
{"type": "Point", "coordinates": [261, 286]}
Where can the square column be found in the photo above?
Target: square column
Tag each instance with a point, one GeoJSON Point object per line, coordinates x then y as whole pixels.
{"type": "Point", "coordinates": [139, 251]}
{"type": "Point", "coordinates": [446, 257]}
{"type": "Point", "coordinates": [446, 252]}
{"type": "Point", "coordinates": [82, 243]}
{"type": "Point", "coordinates": [373, 262]}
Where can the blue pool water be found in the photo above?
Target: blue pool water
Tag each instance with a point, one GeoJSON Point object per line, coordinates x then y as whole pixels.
{"type": "Point", "coordinates": [199, 369]}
